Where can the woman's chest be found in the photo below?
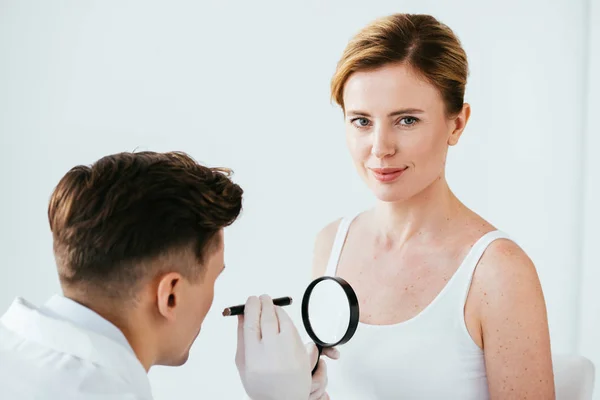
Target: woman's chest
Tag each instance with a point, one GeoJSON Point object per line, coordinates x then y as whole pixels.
{"type": "Point", "coordinates": [407, 361]}
{"type": "Point", "coordinates": [396, 287]}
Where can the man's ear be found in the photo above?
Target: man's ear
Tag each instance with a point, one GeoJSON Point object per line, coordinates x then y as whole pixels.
{"type": "Point", "coordinates": [168, 294]}
{"type": "Point", "coordinates": [459, 122]}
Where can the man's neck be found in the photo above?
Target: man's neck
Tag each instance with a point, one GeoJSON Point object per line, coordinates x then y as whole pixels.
{"type": "Point", "coordinates": [128, 321]}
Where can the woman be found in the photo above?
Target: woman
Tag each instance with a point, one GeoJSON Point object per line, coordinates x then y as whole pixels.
{"type": "Point", "coordinates": [451, 308]}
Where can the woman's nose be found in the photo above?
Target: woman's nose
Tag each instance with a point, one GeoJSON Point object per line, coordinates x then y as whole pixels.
{"type": "Point", "coordinates": [383, 143]}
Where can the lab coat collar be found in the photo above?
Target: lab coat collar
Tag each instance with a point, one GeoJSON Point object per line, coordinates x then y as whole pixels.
{"type": "Point", "coordinates": [69, 310]}
{"type": "Point", "coordinates": [61, 335]}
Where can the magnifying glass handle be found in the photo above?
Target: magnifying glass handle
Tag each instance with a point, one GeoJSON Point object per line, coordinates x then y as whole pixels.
{"type": "Point", "coordinates": [320, 349]}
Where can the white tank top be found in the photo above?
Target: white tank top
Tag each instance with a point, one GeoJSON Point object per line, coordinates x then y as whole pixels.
{"type": "Point", "coordinates": [430, 356]}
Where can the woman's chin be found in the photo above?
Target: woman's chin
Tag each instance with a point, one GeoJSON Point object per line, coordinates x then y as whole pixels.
{"type": "Point", "coordinates": [389, 194]}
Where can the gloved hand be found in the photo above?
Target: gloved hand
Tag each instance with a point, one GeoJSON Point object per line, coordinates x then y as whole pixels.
{"type": "Point", "coordinates": [319, 379]}
{"type": "Point", "coordinates": [271, 359]}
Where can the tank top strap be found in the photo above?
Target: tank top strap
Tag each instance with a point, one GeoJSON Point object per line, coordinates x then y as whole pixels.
{"type": "Point", "coordinates": [467, 269]}
{"type": "Point", "coordinates": [338, 244]}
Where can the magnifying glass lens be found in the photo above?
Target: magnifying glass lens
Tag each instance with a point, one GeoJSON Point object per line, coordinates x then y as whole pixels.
{"type": "Point", "coordinates": [329, 311]}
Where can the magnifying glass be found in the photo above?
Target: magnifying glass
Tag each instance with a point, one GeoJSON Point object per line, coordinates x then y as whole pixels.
{"type": "Point", "coordinates": [330, 312]}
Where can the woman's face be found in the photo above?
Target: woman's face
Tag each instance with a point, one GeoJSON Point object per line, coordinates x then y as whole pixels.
{"type": "Point", "coordinates": [397, 130]}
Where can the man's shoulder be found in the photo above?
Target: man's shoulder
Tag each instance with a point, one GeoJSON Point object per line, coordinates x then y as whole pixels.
{"type": "Point", "coordinates": [21, 375]}
{"type": "Point", "coordinates": [28, 370]}
{"type": "Point", "coordinates": [34, 369]}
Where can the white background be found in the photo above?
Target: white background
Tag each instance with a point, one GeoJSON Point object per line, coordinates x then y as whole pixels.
{"type": "Point", "coordinates": [245, 84]}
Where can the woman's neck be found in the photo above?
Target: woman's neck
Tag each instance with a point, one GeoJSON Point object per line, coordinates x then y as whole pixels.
{"type": "Point", "coordinates": [429, 212]}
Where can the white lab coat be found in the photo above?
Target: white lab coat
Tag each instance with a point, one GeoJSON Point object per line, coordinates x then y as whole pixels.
{"type": "Point", "coordinates": [44, 356]}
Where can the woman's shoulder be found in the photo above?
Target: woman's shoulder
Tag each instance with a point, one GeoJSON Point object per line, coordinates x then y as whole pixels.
{"type": "Point", "coordinates": [504, 258]}
{"type": "Point", "coordinates": [501, 255]}
{"type": "Point", "coordinates": [325, 240]}
{"type": "Point", "coordinates": [327, 233]}
{"type": "Point", "coordinates": [505, 269]}
{"type": "Point", "coordinates": [322, 246]}
{"type": "Point", "coordinates": [500, 249]}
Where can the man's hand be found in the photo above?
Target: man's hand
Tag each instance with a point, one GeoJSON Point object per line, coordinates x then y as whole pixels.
{"type": "Point", "coordinates": [319, 379]}
{"type": "Point", "coordinates": [271, 359]}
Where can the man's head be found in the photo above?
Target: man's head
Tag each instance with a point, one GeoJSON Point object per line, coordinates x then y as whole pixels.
{"type": "Point", "coordinates": [138, 237]}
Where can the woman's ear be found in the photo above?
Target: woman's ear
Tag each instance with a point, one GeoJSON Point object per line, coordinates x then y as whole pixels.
{"type": "Point", "coordinates": [459, 124]}
{"type": "Point", "coordinates": [168, 293]}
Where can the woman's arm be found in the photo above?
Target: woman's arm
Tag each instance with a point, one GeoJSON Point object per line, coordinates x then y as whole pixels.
{"type": "Point", "coordinates": [514, 325]}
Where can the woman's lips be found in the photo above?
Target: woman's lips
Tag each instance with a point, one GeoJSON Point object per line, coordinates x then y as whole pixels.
{"type": "Point", "coordinates": [387, 174]}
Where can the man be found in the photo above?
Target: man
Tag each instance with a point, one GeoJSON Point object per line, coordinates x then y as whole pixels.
{"type": "Point", "coordinates": [138, 242]}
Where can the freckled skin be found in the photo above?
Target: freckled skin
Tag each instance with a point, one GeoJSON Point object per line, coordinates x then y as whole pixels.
{"type": "Point", "coordinates": [398, 266]}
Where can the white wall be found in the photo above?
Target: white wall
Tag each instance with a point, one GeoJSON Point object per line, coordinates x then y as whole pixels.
{"type": "Point", "coordinates": [245, 85]}
{"type": "Point", "coordinates": [589, 333]}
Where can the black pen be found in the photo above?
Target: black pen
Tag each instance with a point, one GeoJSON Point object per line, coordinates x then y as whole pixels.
{"type": "Point", "coordinates": [237, 310]}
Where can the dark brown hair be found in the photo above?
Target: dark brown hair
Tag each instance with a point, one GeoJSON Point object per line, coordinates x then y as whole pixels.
{"type": "Point", "coordinates": [420, 41]}
{"type": "Point", "coordinates": [109, 218]}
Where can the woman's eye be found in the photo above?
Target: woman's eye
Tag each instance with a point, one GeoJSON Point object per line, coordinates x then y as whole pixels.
{"type": "Point", "coordinates": [361, 122]}
{"type": "Point", "coordinates": [408, 121]}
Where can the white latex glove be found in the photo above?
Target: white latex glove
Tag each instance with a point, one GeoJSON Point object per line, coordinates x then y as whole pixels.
{"type": "Point", "coordinates": [271, 359]}
{"type": "Point", "coordinates": [319, 379]}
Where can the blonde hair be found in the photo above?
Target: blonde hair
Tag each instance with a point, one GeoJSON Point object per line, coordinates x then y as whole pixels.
{"type": "Point", "coordinates": [420, 41]}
